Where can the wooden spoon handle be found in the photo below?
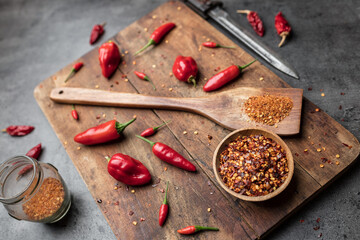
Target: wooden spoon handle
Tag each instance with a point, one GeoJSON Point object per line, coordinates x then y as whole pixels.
{"type": "Point", "coordinates": [118, 99]}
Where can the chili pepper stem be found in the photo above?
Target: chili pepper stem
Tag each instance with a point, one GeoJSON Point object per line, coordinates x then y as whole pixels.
{"type": "Point", "coordinates": [200, 228]}
{"type": "Point", "coordinates": [121, 126]}
{"type": "Point", "coordinates": [73, 107]}
{"type": "Point", "coordinates": [283, 36]}
{"type": "Point", "coordinates": [151, 42]}
{"type": "Point", "coordinates": [192, 80]}
{"type": "Point", "coordinates": [3, 130]}
{"type": "Point", "coordinates": [165, 199]}
{"type": "Point", "coordinates": [245, 66]}
{"type": "Point", "coordinates": [243, 11]}
{"type": "Point", "coordinates": [70, 74]}
{"type": "Point", "coordinates": [146, 140]}
{"type": "Point", "coordinates": [103, 24]}
{"type": "Point", "coordinates": [107, 158]}
{"type": "Point", "coordinates": [221, 46]}
{"type": "Point", "coordinates": [156, 128]}
{"type": "Point", "coordinates": [149, 80]}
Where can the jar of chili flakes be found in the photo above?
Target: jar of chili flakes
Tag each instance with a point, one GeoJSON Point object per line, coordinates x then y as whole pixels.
{"type": "Point", "coordinates": [33, 191]}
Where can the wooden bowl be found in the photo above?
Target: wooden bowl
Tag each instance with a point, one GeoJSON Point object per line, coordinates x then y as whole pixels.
{"type": "Point", "coordinates": [246, 132]}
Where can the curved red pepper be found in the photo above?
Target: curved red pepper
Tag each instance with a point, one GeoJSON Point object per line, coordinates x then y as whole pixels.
{"type": "Point", "coordinates": [157, 35]}
{"type": "Point", "coordinates": [194, 229]}
{"type": "Point", "coordinates": [144, 77]}
{"type": "Point", "coordinates": [185, 69]}
{"type": "Point", "coordinates": [74, 113]}
{"type": "Point", "coordinates": [128, 170]}
{"type": "Point", "coordinates": [96, 32]}
{"type": "Point", "coordinates": [18, 130]}
{"type": "Point", "coordinates": [224, 77]}
{"type": "Point", "coordinates": [105, 132]}
{"type": "Point", "coordinates": [109, 57]}
{"type": "Point", "coordinates": [214, 45]}
{"type": "Point", "coordinates": [254, 20]}
{"type": "Point", "coordinates": [164, 209]}
{"type": "Point", "coordinates": [282, 27]}
{"type": "Point", "coordinates": [74, 69]}
{"type": "Point", "coordinates": [151, 131]}
{"type": "Point", "coordinates": [169, 155]}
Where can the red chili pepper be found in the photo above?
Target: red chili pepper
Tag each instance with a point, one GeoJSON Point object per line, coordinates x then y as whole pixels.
{"type": "Point", "coordinates": [157, 35]}
{"type": "Point", "coordinates": [282, 27]}
{"type": "Point", "coordinates": [169, 155]}
{"type": "Point", "coordinates": [128, 170]}
{"type": "Point", "coordinates": [224, 77]}
{"type": "Point", "coordinates": [144, 77]}
{"type": "Point", "coordinates": [96, 32]}
{"type": "Point", "coordinates": [151, 131]}
{"type": "Point", "coordinates": [18, 130]}
{"type": "Point", "coordinates": [215, 45]}
{"type": "Point", "coordinates": [164, 209]}
{"type": "Point", "coordinates": [194, 229]}
{"type": "Point", "coordinates": [185, 69]}
{"type": "Point", "coordinates": [102, 133]}
{"type": "Point", "coordinates": [74, 113]}
{"type": "Point", "coordinates": [109, 57]}
{"type": "Point", "coordinates": [255, 21]}
{"type": "Point", "coordinates": [74, 69]}
{"type": "Point", "coordinates": [33, 153]}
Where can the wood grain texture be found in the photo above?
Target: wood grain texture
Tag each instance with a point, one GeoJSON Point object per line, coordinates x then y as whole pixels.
{"type": "Point", "coordinates": [190, 194]}
{"type": "Point", "coordinates": [229, 103]}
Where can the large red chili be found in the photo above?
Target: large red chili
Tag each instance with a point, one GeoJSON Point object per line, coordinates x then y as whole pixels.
{"type": "Point", "coordinates": [169, 155]}
{"type": "Point", "coordinates": [96, 32]}
{"type": "Point", "coordinates": [18, 130]}
{"type": "Point", "coordinates": [164, 209]}
{"type": "Point", "coordinates": [185, 69]}
{"type": "Point", "coordinates": [105, 132]}
{"type": "Point", "coordinates": [128, 170]}
{"type": "Point", "coordinates": [157, 35]}
{"type": "Point", "coordinates": [109, 57]}
{"type": "Point", "coordinates": [194, 229]}
{"type": "Point", "coordinates": [255, 21]}
{"type": "Point", "coordinates": [282, 27]}
{"type": "Point", "coordinates": [224, 77]}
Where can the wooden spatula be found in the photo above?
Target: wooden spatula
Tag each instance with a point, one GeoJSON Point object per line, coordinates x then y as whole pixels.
{"type": "Point", "coordinates": [225, 108]}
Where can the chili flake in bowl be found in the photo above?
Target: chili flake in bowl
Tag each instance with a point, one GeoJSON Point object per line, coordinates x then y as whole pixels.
{"type": "Point", "coordinates": [253, 164]}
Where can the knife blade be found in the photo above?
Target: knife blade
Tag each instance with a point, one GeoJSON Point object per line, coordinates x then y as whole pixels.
{"type": "Point", "coordinates": [213, 10]}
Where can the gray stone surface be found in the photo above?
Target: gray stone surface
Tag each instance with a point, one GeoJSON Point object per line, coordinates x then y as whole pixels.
{"type": "Point", "coordinates": [37, 38]}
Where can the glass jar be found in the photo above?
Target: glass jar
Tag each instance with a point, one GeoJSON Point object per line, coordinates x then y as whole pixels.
{"type": "Point", "coordinates": [32, 190]}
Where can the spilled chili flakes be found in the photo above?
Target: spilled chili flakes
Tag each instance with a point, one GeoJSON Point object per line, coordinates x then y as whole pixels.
{"type": "Point", "coordinates": [131, 213]}
{"type": "Point", "coordinates": [340, 107]}
{"type": "Point", "coordinates": [342, 93]}
{"type": "Point", "coordinates": [296, 154]}
{"type": "Point", "coordinates": [322, 165]}
{"type": "Point", "coordinates": [301, 220]}
{"type": "Point", "coordinates": [99, 200]}
{"type": "Point", "coordinates": [316, 228]}
{"type": "Point", "coordinates": [309, 89]}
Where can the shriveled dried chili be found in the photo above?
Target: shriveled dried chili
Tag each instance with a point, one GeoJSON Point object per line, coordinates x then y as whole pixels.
{"type": "Point", "coordinates": [143, 76]}
{"type": "Point", "coordinates": [74, 69]}
{"type": "Point", "coordinates": [282, 27]}
{"type": "Point", "coordinates": [33, 153]}
{"type": "Point", "coordinates": [96, 32]}
{"type": "Point", "coordinates": [18, 130]}
{"type": "Point", "coordinates": [254, 20]}
{"type": "Point", "coordinates": [193, 229]}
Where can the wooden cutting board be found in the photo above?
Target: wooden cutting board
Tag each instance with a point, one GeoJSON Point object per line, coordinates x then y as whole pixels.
{"type": "Point", "coordinates": [190, 194]}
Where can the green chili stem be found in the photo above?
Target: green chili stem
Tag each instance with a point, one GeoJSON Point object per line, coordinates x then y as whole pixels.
{"type": "Point", "coordinates": [146, 140]}
{"type": "Point", "coordinates": [70, 74]}
{"type": "Point", "coordinates": [151, 42]}
{"type": "Point", "coordinates": [156, 128]}
{"type": "Point", "coordinates": [73, 107]}
{"type": "Point", "coordinates": [121, 126]}
{"type": "Point", "coordinates": [245, 66]}
{"type": "Point", "coordinates": [165, 199]}
{"type": "Point", "coordinates": [107, 158]}
{"type": "Point", "coordinates": [221, 46]}
{"type": "Point", "coordinates": [192, 80]}
{"type": "Point", "coordinates": [148, 79]}
{"type": "Point", "coordinates": [200, 228]}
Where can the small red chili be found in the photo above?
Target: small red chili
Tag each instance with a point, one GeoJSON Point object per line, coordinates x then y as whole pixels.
{"type": "Point", "coordinates": [185, 69]}
{"type": "Point", "coordinates": [194, 229]}
{"type": "Point", "coordinates": [215, 45]}
{"type": "Point", "coordinates": [255, 21]}
{"type": "Point", "coordinates": [33, 153]}
{"type": "Point", "coordinates": [18, 130]}
{"type": "Point", "coordinates": [105, 132]}
{"type": "Point", "coordinates": [157, 35]}
{"type": "Point", "coordinates": [143, 76]}
{"type": "Point", "coordinates": [74, 69]}
{"type": "Point", "coordinates": [164, 209]}
{"type": "Point", "coordinates": [151, 131]}
{"type": "Point", "coordinates": [282, 27]}
{"type": "Point", "coordinates": [74, 113]}
{"type": "Point", "coordinates": [109, 57]}
{"type": "Point", "coordinates": [169, 155]}
{"type": "Point", "coordinates": [96, 32]}
{"type": "Point", "coordinates": [224, 77]}
{"type": "Point", "coordinates": [128, 170]}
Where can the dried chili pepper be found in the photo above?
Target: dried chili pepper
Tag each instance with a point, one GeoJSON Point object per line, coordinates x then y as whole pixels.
{"type": "Point", "coordinates": [185, 69]}
{"type": "Point", "coordinates": [96, 32]}
{"type": "Point", "coordinates": [164, 209]}
{"type": "Point", "coordinates": [74, 69]}
{"type": "Point", "coordinates": [254, 20]}
{"type": "Point", "coordinates": [282, 27]}
{"type": "Point", "coordinates": [74, 113]}
{"type": "Point", "coordinates": [102, 133]}
{"type": "Point", "coordinates": [151, 131]}
{"type": "Point", "coordinates": [18, 130]}
{"type": "Point", "coordinates": [224, 77]}
{"type": "Point", "coordinates": [157, 35]}
{"type": "Point", "coordinates": [143, 76]}
{"type": "Point", "coordinates": [109, 57]}
{"type": "Point", "coordinates": [169, 155]}
{"type": "Point", "coordinates": [215, 45]}
{"type": "Point", "coordinates": [33, 153]}
{"type": "Point", "coordinates": [194, 229]}
{"type": "Point", "coordinates": [128, 170]}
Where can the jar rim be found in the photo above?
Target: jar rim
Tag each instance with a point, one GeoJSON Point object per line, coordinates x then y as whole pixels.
{"type": "Point", "coordinates": [4, 168]}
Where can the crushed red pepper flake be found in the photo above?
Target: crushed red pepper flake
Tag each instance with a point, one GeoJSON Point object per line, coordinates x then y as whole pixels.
{"type": "Point", "coordinates": [296, 154]}
{"type": "Point", "coordinates": [346, 145]}
{"type": "Point", "coordinates": [99, 200]}
{"type": "Point", "coordinates": [340, 107]}
{"type": "Point", "coordinates": [268, 109]}
{"type": "Point", "coordinates": [253, 165]}
{"type": "Point", "coordinates": [342, 93]}
{"type": "Point", "coordinates": [316, 228]}
{"type": "Point", "coordinates": [301, 220]}
{"type": "Point", "coordinates": [310, 89]}
{"type": "Point", "coordinates": [131, 213]}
